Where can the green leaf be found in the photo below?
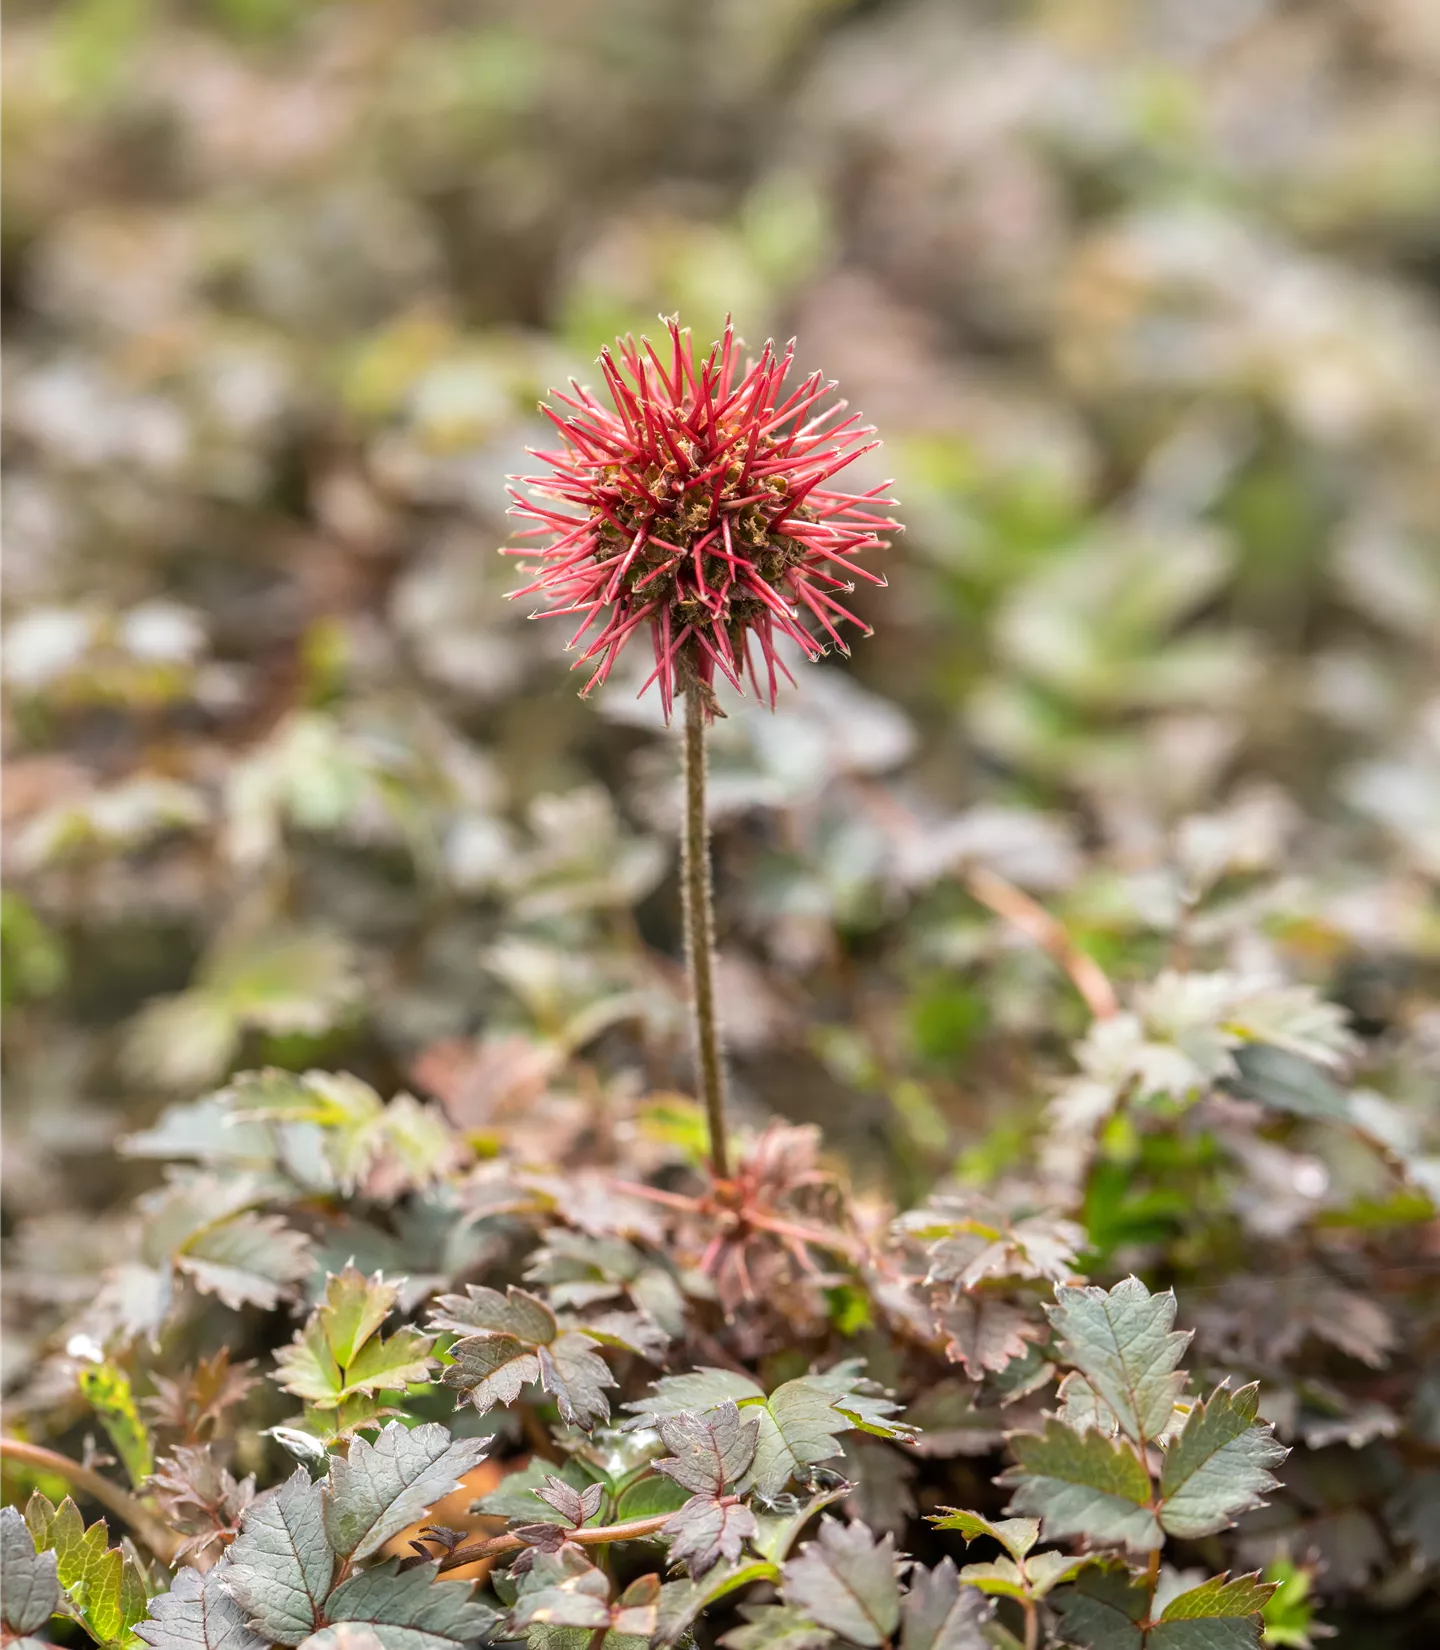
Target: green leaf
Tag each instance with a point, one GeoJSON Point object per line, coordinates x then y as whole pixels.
{"type": "Point", "coordinates": [576, 1376]}
{"type": "Point", "coordinates": [698, 1391]}
{"type": "Point", "coordinates": [1016, 1535]}
{"type": "Point", "coordinates": [281, 1563]}
{"type": "Point", "coordinates": [389, 1365]}
{"type": "Point", "coordinates": [799, 1427]}
{"type": "Point", "coordinates": [1083, 1484]}
{"type": "Point", "coordinates": [581, 1271]}
{"type": "Point", "coordinates": [353, 1309]}
{"type": "Point", "coordinates": [516, 1313]}
{"type": "Point", "coordinates": [1082, 1409]}
{"type": "Point", "coordinates": [1278, 1078]}
{"type": "Point", "coordinates": [777, 1532]}
{"type": "Point", "coordinates": [1219, 1466]}
{"type": "Point", "coordinates": [1123, 1341]}
{"type": "Point", "coordinates": [846, 1581]}
{"type": "Point", "coordinates": [104, 1587]}
{"type": "Point", "coordinates": [491, 1371]}
{"type": "Point", "coordinates": [1289, 1612]}
{"type": "Point", "coordinates": [411, 1610]}
{"type": "Point", "coordinates": [198, 1614]}
{"type": "Point", "coordinates": [277, 983]}
{"type": "Point", "coordinates": [516, 1495]}
{"type": "Point", "coordinates": [251, 1260]}
{"type": "Point", "coordinates": [1209, 1633]}
{"type": "Point", "coordinates": [359, 1129]}
{"type": "Point", "coordinates": [380, 1488]}
{"type": "Point", "coordinates": [106, 1388]}
{"type": "Point", "coordinates": [705, 1530]}
{"type": "Point", "coordinates": [1244, 1596]}
{"type": "Point", "coordinates": [649, 1496]}
{"type": "Point", "coordinates": [561, 1588]}
{"type": "Point", "coordinates": [1046, 1571]}
{"type": "Point", "coordinates": [512, 1339]}
{"type": "Point", "coordinates": [1103, 1611]}
{"type": "Point", "coordinates": [1107, 1611]}
{"type": "Point", "coordinates": [709, 1451]}
{"type": "Point", "coordinates": [29, 1586]}
{"type": "Point", "coordinates": [799, 1422]}
{"type": "Point", "coordinates": [984, 1333]}
{"type": "Point", "coordinates": [776, 1627]}
{"type": "Point", "coordinates": [1002, 1576]}
{"type": "Point", "coordinates": [863, 1402]}
{"type": "Point", "coordinates": [681, 1602]}
{"type": "Point", "coordinates": [339, 1353]}
{"type": "Point", "coordinates": [941, 1615]}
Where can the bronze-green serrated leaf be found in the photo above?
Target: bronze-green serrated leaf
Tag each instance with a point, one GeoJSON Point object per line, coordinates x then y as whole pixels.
{"type": "Point", "coordinates": [846, 1581]}
{"type": "Point", "coordinates": [199, 1613]}
{"type": "Point", "coordinates": [1083, 1484]}
{"type": "Point", "coordinates": [29, 1585]}
{"type": "Point", "coordinates": [340, 1353]}
{"type": "Point", "coordinates": [1124, 1341]}
{"type": "Point", "coordinates": [105, 1588]}
{"type": "Point", "coordinates": [1219, 1466]}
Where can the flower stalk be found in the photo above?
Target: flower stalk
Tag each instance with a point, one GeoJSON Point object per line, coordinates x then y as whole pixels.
{"type": "Point", "coordinates": [699, 902]}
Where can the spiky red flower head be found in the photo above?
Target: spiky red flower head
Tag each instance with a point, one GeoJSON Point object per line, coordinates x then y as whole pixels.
{"type": "Point", "coordinates": [697, 508]}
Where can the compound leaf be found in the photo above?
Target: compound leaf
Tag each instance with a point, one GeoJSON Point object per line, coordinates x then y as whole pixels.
{"type": "Point", "coordinates": [249, 1260]}
{"type": "Point", "coordinates": [846, 1581]}
{"type": "Point", "coordinates": [1083, 1484]}
{"type": "Point", "coordinates": [709, 1451]}
{"type": "Point", "coordinates": [1123, 1341]}
{"type": "Point", "coordinates": [1219, 1466]}
{"type": "Point", "coordinates": [482, 1311]}
{"type": "Point", "coordinates": [798, 1424]}
{"type": "Point", "coordinates": [410, 1610]}
{"type": "Point", "coordinates": [281, 1563]}
{"type": "Point", "coordinates": [938, 1614]}
{"type": "Point", "coordinates": [1016, 1535]}
{"type": "Point", "coordinates": [101, 1585]}
{"type": "Point", "coordinates": [705, 1530]}
{"type": "Point", "coordinates": [776, 1627]}
{"type": "Point", "coordinates": [575, 1506]}
{"type": "Point", "coordinates": [339, 1353]}
{"type": "Point", "coordinates": [380, 1488]}
{"type": "Point", "coordinates": [699, 1391]}
{"type": "Point", "coordinates": [29, 1585]}
{"type": "Point", "coordinates": [198, 1613]}
{"type": "Point", "coordinates": [512, 1339]}
{"type": "Point", "coordinates": [1220, 1596]}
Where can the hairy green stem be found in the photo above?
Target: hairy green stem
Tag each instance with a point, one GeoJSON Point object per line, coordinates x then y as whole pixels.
{"type": "Point", "coordinates": [595, 1536]}
{"type": "Point", "coordinates": [110, 1496]}
{"type": "Point", "coordinates": [700, 936]}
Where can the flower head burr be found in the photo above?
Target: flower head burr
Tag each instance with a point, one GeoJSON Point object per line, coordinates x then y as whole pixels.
{"type": "Point", "coordinates": [698, 508]}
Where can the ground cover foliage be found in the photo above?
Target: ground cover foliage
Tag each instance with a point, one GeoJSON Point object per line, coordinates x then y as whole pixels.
{"type": "Point", "coordinates": [1079, 942]}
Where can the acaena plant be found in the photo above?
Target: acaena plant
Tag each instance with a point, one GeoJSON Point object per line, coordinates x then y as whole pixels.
{"type": "Point", "coordinates": [698, 508]}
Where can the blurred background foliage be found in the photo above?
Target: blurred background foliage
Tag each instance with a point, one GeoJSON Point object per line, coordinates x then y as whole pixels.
{"type": "Point", "coordinates": [1142, 294]}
